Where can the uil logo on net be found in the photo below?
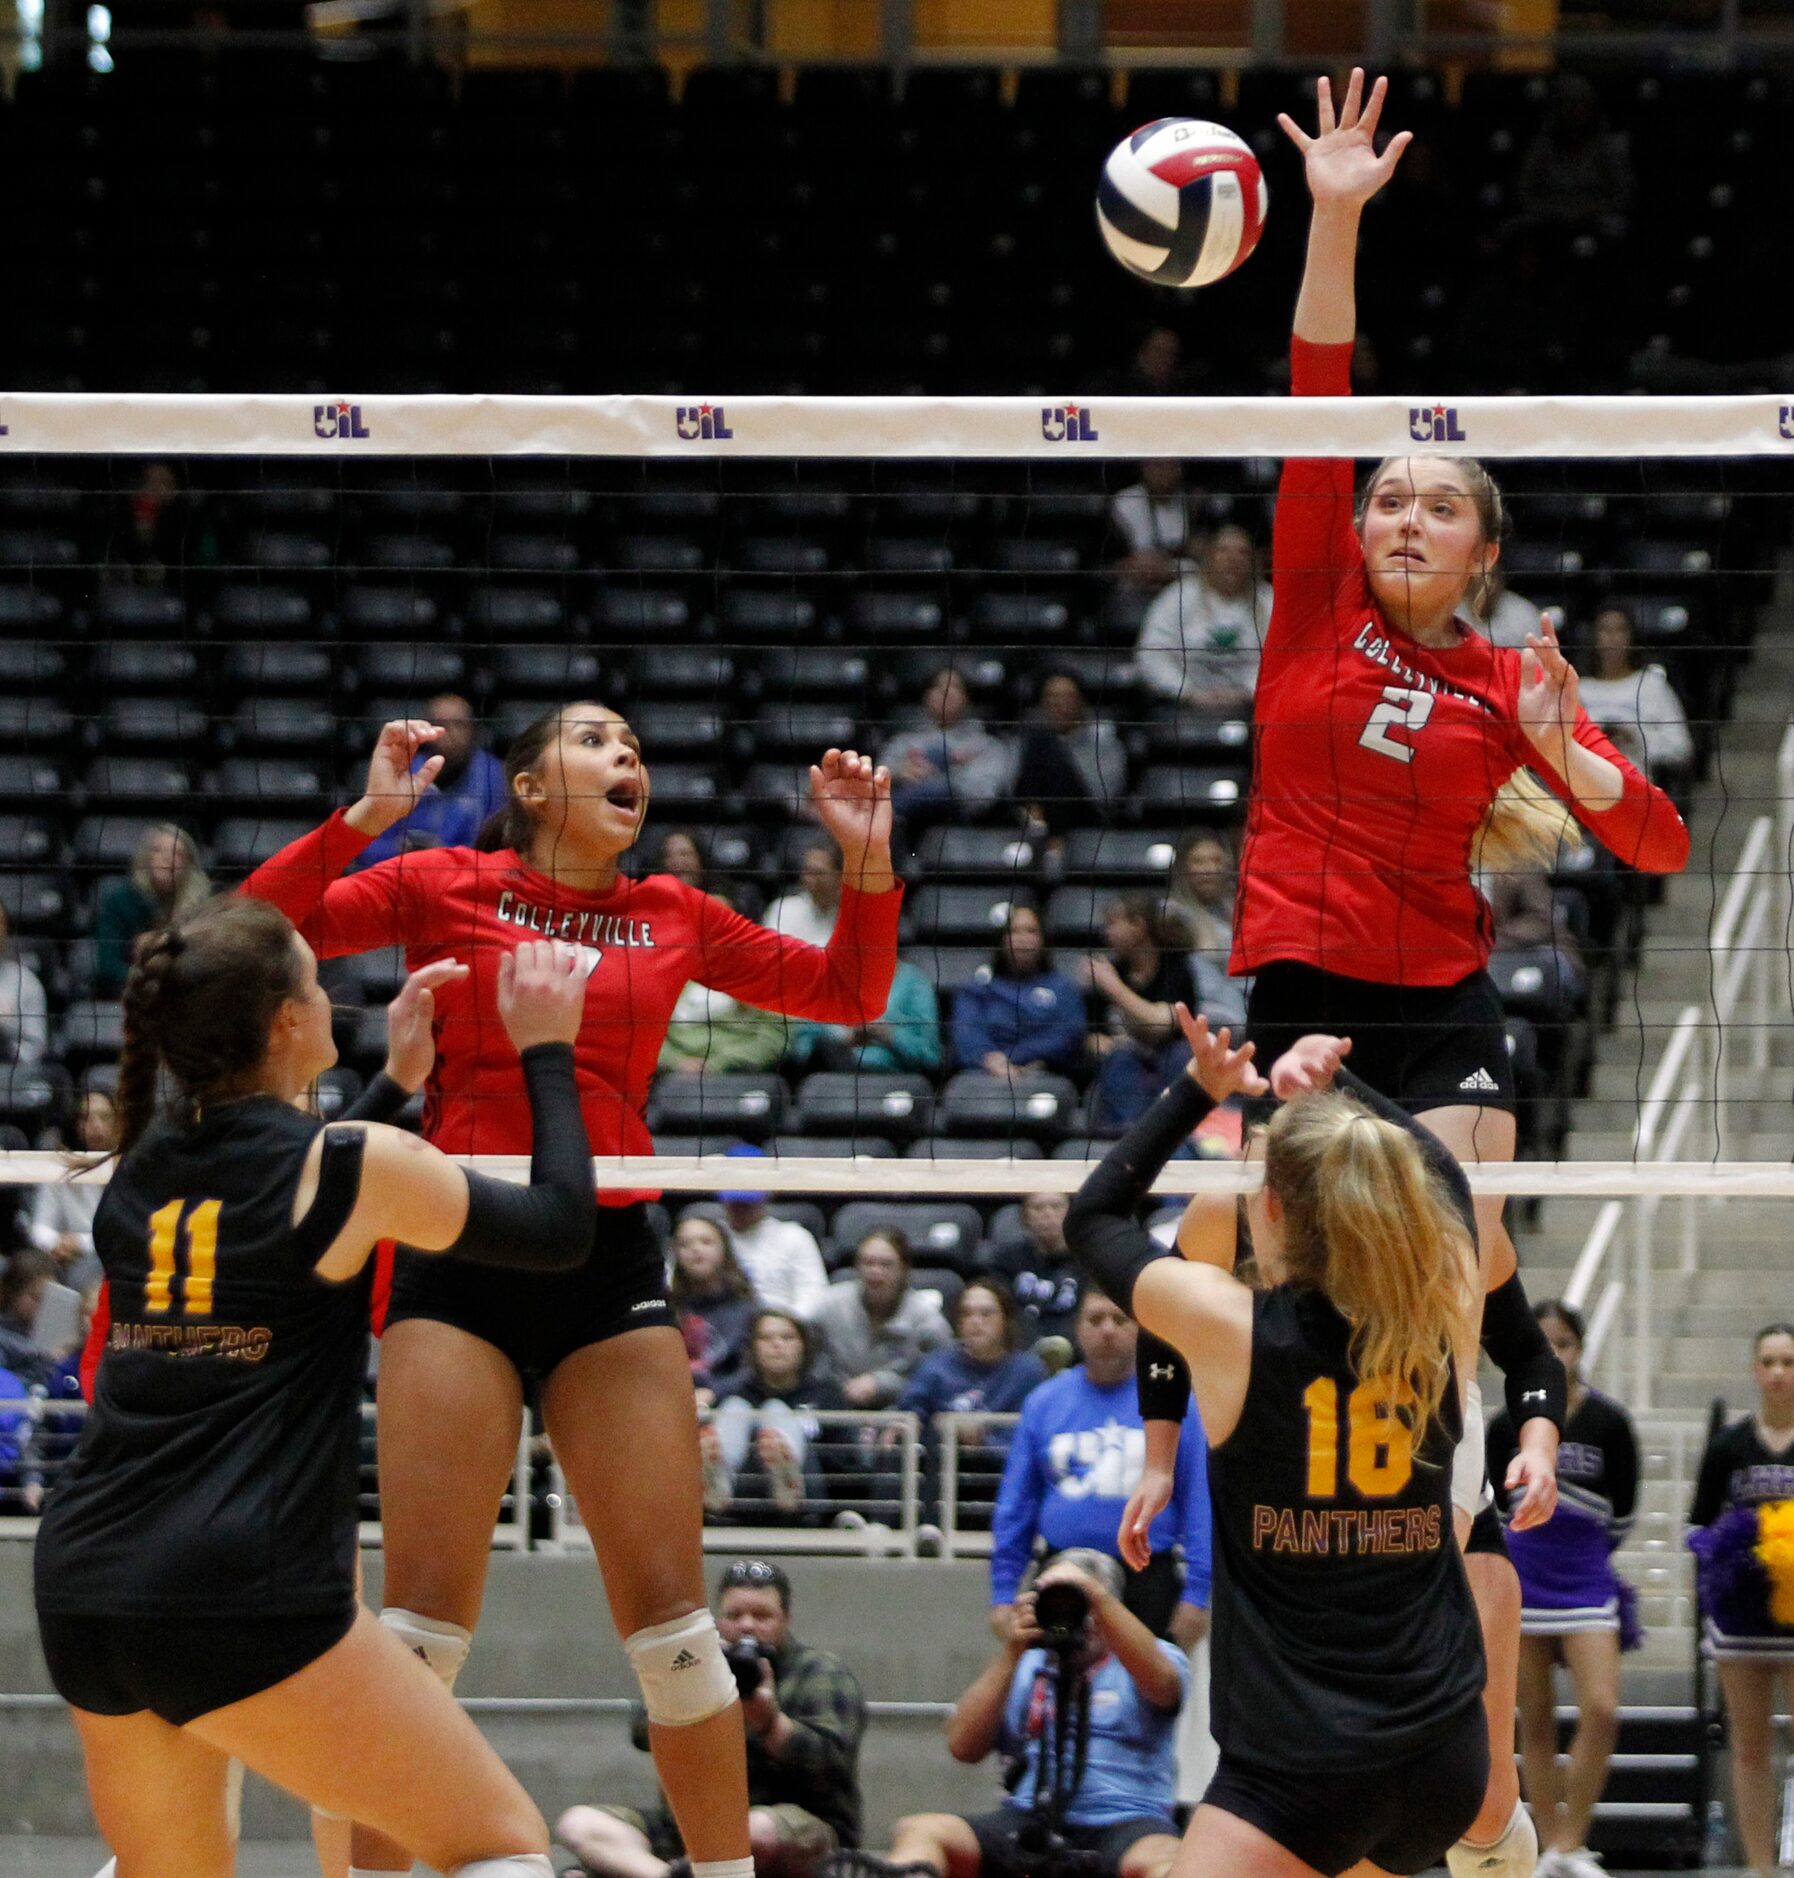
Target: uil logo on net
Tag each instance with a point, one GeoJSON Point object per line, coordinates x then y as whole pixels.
{"type": "Point", "coordinates": [704, 423]}
{"type": "Point", "coordinates": [1435, 423]}
{"type": "Point", "coordinates": [1784, 421]}
{"type": "Point", "coordinates": [1068, 423]}
{"type": "Point", "coordinates": [341, 420]}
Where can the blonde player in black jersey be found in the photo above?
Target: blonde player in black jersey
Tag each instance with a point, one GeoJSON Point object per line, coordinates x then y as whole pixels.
{"type": "Point", "coordinates": [195, 1569]}
{"type": "Point", "coordinates": [1348, 1666]}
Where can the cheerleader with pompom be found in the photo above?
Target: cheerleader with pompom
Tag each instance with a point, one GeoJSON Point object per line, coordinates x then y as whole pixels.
{"type": "Point", "coordinates": [1743, 1521]}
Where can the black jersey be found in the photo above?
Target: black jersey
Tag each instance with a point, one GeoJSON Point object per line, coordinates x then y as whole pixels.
{"type": "Point", "coordinates": [1597, 1463]}
{"type": "Point", "coordinates": [1344, 1632]}
{"type": "Point", "coordinates": [1738, 1470]}
{"type": "Point", "coordinates": [217, 1470]}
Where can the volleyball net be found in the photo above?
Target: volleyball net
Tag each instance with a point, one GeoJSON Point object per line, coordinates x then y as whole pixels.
{"type": "Point", "coordinates": [210, 603]}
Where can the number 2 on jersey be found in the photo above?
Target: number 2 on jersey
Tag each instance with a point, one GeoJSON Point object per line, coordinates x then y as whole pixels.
{"type": "Point", "coordinates": [1401, 709]}
{"type": "Point", "coordinates": [164, 1258]}
{"type": "Point", "coordinates": [1380, 1445]}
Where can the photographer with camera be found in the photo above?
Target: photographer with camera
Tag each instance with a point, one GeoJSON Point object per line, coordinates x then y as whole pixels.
{"type": "Point", "coordinates": [804, 1713]}
{"type": "Point", "coordinates": [1083, 1701]}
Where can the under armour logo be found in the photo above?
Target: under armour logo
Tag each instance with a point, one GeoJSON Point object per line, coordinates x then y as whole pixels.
{"type": "Point", "coordinates": [1481, 1080]}
{"type": "Point", "coordinates": [1161, 1372]}
{"type": "Point", "coordinates": [685, 1660]}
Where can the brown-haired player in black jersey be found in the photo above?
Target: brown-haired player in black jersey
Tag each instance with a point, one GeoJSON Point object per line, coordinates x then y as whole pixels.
{"type": "Point", "coordinates": [1348, 1665]}
{"type": "Point", "coordinates": [195, 1569]}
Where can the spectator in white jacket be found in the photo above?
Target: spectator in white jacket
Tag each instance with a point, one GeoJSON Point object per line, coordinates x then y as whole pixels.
{"type": "Point", "coordinates": [1636, 705]}
{"type": "Point", "coordinates": [781, 1258]}
{"type": "Point", "coordinates": [1199, 642]}
{"type": "Point", "coordinates": [24, 1010]}
{"type": "Point", "coordinates": [62, 1213]}
{"type": "Point", "coordinates": [876, 1330]}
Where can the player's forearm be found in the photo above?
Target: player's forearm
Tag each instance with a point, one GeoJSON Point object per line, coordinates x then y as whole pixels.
{"type": "Point", "coordinates": [1594, 784]}
{"type": "Point", "coordinates": [1326, 307]}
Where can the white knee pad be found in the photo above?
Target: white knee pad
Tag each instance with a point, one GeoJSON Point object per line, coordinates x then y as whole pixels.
{"type": "Point", "coordinates": [518, 1865]}
{"type": "Point", "coordinates": [1469, 1459]}
{"type": "Point", "coordinates": [1513, 1855]}
{"type": "Point", "coordinates": [681, 1668]}
{"type": "Point", "coordinates": [443, 1647]}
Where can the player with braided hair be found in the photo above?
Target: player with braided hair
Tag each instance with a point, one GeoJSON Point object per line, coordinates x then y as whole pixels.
{"type": "Point", "coordinates": [195, 1568]}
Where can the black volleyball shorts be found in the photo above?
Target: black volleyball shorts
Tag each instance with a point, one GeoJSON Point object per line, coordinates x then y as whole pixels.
{"type": "Point", "coordinates": [537, 1319]}
{"type": "Point", "coordinates": [1402, 1816]}
{"type": "Point", "coordinates": [1424, 1046]}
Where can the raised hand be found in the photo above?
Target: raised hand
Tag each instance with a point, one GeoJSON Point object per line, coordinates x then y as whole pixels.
{"type": "Point", "coordinates": [411, 1023]}
{"type": "Point", "coordinates": [1550, 695]}
{"type": "Point", "coordinates": [1145, 1504]}
{"type": "Point", "coordinates": [1342, 163]}
{"type": "Point", "coordinates": [1307, 1065]}
{"type": "Point", "coordinates": [1215, 1063]}
{"type": "Point", "coordinates": [392, 790]}
{"type": "Point", "coordinates": [852, 799]}
{"type": "Point", "coordinates": [541, 993]}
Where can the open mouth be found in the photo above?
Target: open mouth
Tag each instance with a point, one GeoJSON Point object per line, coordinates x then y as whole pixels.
{"type": "Point", "coordinates": [626, 796]}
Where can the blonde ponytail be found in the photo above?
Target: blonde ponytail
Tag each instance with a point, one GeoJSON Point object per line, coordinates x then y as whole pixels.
{"type": "Point", "coordinates": [1524, 827]}
{"type": "Point", "coordinates": [1369, 1227]}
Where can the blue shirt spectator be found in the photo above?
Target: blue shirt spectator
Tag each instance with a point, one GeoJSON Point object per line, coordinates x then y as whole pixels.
{"type": "Point", "coordinates": [1019, 1013]}
{"type": "Point", "coordinates": [981, 1371]}
{"type": "Point", "coordinates": [469, 787]}
{"type": "Point", "coordinates": [1078, 1453]}
{"type": "Point", "coordinates": [16, 1469]}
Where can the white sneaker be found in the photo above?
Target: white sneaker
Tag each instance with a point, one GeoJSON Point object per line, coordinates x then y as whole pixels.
{"type": "Point", "coordinates": [1579, 1863]}
{"type": "Point", "coordinates": [1550, 1865]}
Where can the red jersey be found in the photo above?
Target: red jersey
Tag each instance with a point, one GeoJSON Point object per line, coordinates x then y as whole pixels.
{"type": "Point", "coordinates": [640, 943]}
{"type": "Point", "coordinates": [1375, 758]}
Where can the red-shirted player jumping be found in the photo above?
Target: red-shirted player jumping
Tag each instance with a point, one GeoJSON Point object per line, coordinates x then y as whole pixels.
{"type": "Point", "coordinates": [1395, 747]}
{"type": "Point", "coordinates": [459, 1348]}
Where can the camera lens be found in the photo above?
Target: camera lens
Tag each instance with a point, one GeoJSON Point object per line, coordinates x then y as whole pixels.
{"type": "Point", "coordinates": [744, 1659]}
{"type": "Point", "coordinates": [1060, 1610]}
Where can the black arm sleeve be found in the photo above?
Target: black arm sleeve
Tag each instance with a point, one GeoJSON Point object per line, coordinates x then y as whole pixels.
{"type": "Point", "coordinates": [1439, 1158]}
{"type": "Point", "coordinates": [1534, 1379]}
{"type": "Point", "coordinates": [546, 1226]}
{"type": "Point", "coordinates": [380, 1101]}
{"type": "Point", "coordinates": [1712, 1485]}
{"type": "Point", "coordinates": [1161, 1379]}
{"type": "Point", "coordinates": [1499, 1449]}
{"type": "Point", "coordinates": [1105, 1237]}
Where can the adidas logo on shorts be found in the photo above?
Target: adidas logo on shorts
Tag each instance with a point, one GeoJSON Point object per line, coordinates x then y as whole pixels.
{"type": "Point", "coordinates": [685, 1660]}
{"type": "Point", "coordinates": [1481, 1081]}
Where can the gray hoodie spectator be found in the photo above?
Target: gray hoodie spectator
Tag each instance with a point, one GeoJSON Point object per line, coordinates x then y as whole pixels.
{"type": "Point", "coordinates": [24, 1011]}
{"type": "Point", "coordinates": [949, 766]}
{"type": "Point", "coordinates": [1200, 639]}
{"type": "Point", "coordinates": [875, 1331]}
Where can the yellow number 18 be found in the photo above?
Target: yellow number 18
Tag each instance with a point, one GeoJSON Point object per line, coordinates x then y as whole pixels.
{"type": "Point", "coordinates": [202, 1258]}
{"type": "Point", "coordinates": [1380, 1451]}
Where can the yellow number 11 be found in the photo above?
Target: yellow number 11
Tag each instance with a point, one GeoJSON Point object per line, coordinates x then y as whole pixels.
{"type": "Point", "coordinates": [202, 1258]}
{"type": "Point", "coordinates": [1380, 1454]}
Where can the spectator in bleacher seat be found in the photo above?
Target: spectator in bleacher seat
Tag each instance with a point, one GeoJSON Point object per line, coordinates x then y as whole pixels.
{"type": "Point", "coordinates": [1037, 1265]}
{"type": "Point", "coordinates": [681, 854]}
{"type": "Point", "coordinates": [1076, 1456]}
{"type": "Point", "coordinates": [1743, 1506]}
{"type": "Point", "coordinates": [162, 528]}
{"type": "Point", "coordinates": [947, 767]}
{"type": "Point", "coordinates": [804, 1724]}
{"type": "Point", "coordinates": [715, 1303]}
{"type": "Point", "coordinates": [762, 1448]}
{"type": "Point", "coordinates": [1576, 173]}
{"type": "Point", "coordinates": [984, 1371]}
{"type": "Point", "coordinates": [1199, 642]}
{"type": "Point", "coordinates": [809, 913]}
{"type": "Point", "coordinates": [1524, 912]}
{"type": "Point", "coordinates": [23, 1282]}
{"type": "Point", "coordinates": [1071, 768]}
{"type": "Point", "coordinates": [24, 1010]}
{"type": "Point", "coordinates": [1153, 526]}
{"type": "Point", "coordinates": [1572, 1602]}
{"type": "Point", "coordinates": [1149, 970]}
{"type": "Point", "coordinates": [712, 1030]}
{"type": "Point", "coordinates": [61, 1211]}
{"type": "Point", "coordinates": [1635, 704]}
{"type": "Point", "coordinates": [906, 1036]}
{"type": "Point", "coordinates": [1204, 880]}
{"type": "Point", "coordinates": [1502, 616]}
{"type": "Point", "coordinates": [781, 1258]}
{"type": "Point", "coordinates": [1119, 1816]}
{"type": "Point", "coordinates": [469, 787]}
{"type": "Point", "coordinates": [874, 1330]}
{"type": "Point", "coordinates": [1156, 368]}
{"type": "Point", "coordinates": [164, 885]}
{"type": "Point", "coordinates": [1019, 1012]}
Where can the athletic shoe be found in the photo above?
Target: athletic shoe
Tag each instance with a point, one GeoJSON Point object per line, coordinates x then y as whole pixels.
{"type": "Point", "coordinates": [786, 1479]}
{"type": "Point", "coordinates": [1550, 1865]}
{"type": "Point", "coordinates": [1579, 1863]}
{"type": "Point", "coordinates": [870, 1865]}
{"type": "Point", "coordinates": [719, 1486]}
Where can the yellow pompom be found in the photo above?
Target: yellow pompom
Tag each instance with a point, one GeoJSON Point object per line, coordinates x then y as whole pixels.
{"type": "Point", "coordinates": [1775, 1553]}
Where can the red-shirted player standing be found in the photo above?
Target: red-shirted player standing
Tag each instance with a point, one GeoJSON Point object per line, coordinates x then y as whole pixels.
{"type": "Point", "coordinates": [615, 1384]}
{"type": "Point", "coordinates": [1394, 741]}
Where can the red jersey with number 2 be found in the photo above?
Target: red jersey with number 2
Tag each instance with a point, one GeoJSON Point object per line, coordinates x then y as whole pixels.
{"type": "Point", "coordinates": [1375, 758]}
{"type": "Point", "coordinates": [640, 943]}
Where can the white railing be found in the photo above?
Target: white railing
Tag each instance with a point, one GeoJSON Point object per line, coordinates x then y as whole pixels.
{"type": "Point", "coordinates": [1739, 948]}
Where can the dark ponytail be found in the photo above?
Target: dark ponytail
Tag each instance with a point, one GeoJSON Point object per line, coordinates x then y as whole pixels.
{"type": "Point", "coordinates": [199, 1003]}
{"type": "Point", "coordinates": [512, 826]}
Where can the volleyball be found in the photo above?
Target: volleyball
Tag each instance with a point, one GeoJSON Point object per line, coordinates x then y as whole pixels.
{"type": "Point", "coordinates": [1181, 202]}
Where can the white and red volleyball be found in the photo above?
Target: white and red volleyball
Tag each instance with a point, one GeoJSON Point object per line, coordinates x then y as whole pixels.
{"type": "Point", "coordinates": [1181, 203]}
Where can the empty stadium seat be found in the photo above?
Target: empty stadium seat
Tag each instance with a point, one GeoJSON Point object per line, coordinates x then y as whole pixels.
{"type": "Point", "coordinates": [990, 853]}
{"type": "Point", "coordinates": [684, 671]}
{"type": "Point", "coordinates": [246, 784]}
{"type": "Point", "coordinates": [935, 914]}
{"type": "Point", "coordinates": [940, 1232]}
{"type": "Point", "coordinates": [30, 779]}
{"type": "Point", "coordinates": [92, 1029]}
{"type": "Point", "coordinates": [636, 613]}
{"type": "Point", "coordinates": [242, 842]}
{"type": "Point", "coordinates": [1141, 856]}
{"type": "Point", "coordinates": [1037, 1107]}
{"type": "Point", "coordinates": [28, 840]}
{"type": "Point", "coordinates": [136, 779]}
{"type": "Point", "coordinates": [962, 1148]}
{"type": "Point", "coordinates": [33, 1096]}
{"type": "Point", "coordinates": [35, 903]}
{"type": "Point", "coordinates": [514, 613]}
{"type": "Point", "coordinates": [752, 1107]}
{"type": "Point", "coordinates": [896, 1106]}
{"type": "Point", "coordinates": [106, 842]}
